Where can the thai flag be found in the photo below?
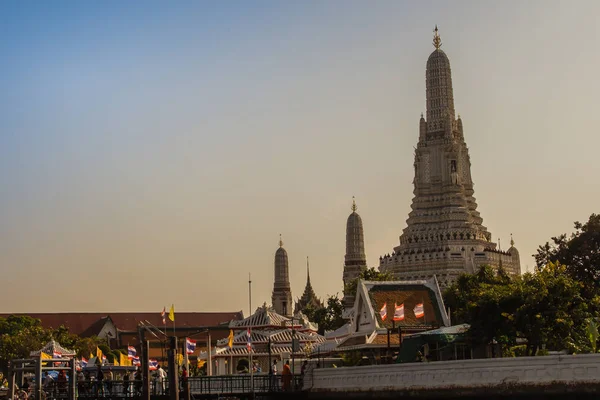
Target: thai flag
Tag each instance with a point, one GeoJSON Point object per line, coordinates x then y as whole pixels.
{"type": "Point", "coordinates": [153, 365]}
{"type": "Point", "coordinates": [419, 310]}
{"type": "Point", "coordinates": [190, 345]}
{"type": "Point", "coordinates": [383, 312]}
{"type": "Point", "coordinates": [249, 344]}
{"type": "Point", "coordinates": [399, 312]}
{"type": "Point", "coordinates": [131, 352]}
{"type": "Point", "coordinates": [57, 354]}
{"type": "Point", "coordinates": [136, 361]}
{"type": "Point", "coordinates": [83, 362]}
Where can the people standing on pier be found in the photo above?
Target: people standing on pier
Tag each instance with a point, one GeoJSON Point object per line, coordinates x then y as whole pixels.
{"type": "Point", "coordinates": [100, 382]}
{"type": "Point", "coordinates": [138, 382]}
{"type": "Point", "coordinates": [273, 376]}
{"type": "Point", "coordinates": [126, 387]}
{"type": "Point", "coordinates": [62, 382]}
{"type": "Point", "coordinates": [161, 376]}
{"type": "Point", "coordinates": [109, 378]}
{"type": "Point", "coordinates": [287, 377]}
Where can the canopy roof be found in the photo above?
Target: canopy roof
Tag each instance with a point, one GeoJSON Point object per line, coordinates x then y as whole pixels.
{"type": "Point", "coordinates": [51, 348]}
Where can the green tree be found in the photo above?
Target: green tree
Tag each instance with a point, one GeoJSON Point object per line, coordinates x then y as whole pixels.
{"type": "Point", "coordinates": [553, 312]}
{"type": "Point", "coordinates": [487, 301]}
{"type": "Point", "coordinates": [370, 274]}
{"type": "Point", "coordinates": [579, 253]}
{"type": "Point", "coordinates": [86, 346]}
{"type": "Point", "coordinates": [19, 335]}
{"type": "Point", "coordinates": [330, 317]}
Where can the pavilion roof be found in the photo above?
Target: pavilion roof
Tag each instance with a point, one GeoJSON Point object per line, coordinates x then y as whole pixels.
{"type": "Point", "coordinates": [263, 317]}
{"type": "Point", "coordinates": [53, 347]}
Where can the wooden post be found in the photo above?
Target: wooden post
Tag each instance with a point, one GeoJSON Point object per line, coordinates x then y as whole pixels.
{"type": "Point", "coordinates": [209, 356]}
{"type": "Point", "coordinates": [173, 375]}
{"type": "Point", "coordinates": [11, 380]}
{"type": "Point", "coordinates": [38, 378]}
{"type": "Point", "coordinates": [73, 380]}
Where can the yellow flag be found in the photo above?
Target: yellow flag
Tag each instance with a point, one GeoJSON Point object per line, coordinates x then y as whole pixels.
{"type": "Point", "coordinates": [179, 359]}
{"type": "Point", "coordinates": [230, 338]}
{"type": "Point", "coordinates": [172, 313]}
{"type": "Point", "coordinates": [123, 360]}
{"type": "Point", "coordinates": [91, 356]}
{"type": "Point", "coordinates": [99, 353]}
{"type": "Point", "coordinates": [115, 362]}
{"type": "Point", "coordinates": [45, 356]}
{"type": "Point", "coordinates": [201, 363]}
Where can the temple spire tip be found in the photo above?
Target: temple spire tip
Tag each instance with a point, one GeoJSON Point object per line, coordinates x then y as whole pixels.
{"type": "Point", "coordinates": [437, 41]}
{"type": "Point", "coordinates": [353, 204]}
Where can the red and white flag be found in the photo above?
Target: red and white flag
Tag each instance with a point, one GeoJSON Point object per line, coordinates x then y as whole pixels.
{"type": "Point", "coordinates": [398, 312]}
{"type": "Point", "coordinates": [163, 314]}
{"type": "Point", "coordinates": [419, 310]}
{"type": "Point", "coordinates": [383, 312]}
{"type": "Point", "coordinates": [249, 337]}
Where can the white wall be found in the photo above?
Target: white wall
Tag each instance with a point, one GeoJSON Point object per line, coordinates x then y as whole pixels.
{"type": "Point", "coordinates": [466, 373]}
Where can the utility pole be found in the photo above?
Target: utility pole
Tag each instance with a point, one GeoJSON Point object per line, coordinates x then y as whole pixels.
{"type": "Point", "coordinates": [173, 373]}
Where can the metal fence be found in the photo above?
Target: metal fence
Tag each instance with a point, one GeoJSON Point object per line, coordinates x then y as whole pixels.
{"type": "Point", "coordinates": [200, 385]}
{"type": "Point", "coordinates": [232, 384]}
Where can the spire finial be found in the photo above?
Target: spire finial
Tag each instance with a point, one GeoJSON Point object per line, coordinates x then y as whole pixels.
{"type": "Point", "coordinates": [307, 271]}
{"type": "Point", "coordinates": [512, 242]}
{"type": "Point", "coordinates": [280, 241]}
{"type": "Point", "coordinates": [353, 204]}
{"type": "Point", "coordinates": [437, 41]}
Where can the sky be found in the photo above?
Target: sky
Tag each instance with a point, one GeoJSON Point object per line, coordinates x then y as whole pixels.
{"type": "Point", "coordinates": [151, 153]}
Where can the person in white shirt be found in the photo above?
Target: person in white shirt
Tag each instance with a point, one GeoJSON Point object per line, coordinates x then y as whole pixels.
{"type": "Point", "coordinates": [161, 377]}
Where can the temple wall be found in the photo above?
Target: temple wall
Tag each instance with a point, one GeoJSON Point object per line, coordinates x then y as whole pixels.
{"type": "Point", "coordinates": [457, 375]}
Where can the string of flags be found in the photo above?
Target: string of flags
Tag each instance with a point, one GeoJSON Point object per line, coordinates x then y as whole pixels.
{"type": "Point", "coordinates": [419, 311]}
{"type": "Point", "coordinates": [399, 312]}
{"type": "Point", "coordinates": [249, 344]}
{"type": "Point", "coordinates": [383, 312]}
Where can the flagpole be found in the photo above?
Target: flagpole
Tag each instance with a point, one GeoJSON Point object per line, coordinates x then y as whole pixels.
{"type": "Point", "coordinates": [250, 366]}
{"type": "Point", "coordinates": [173, 308]}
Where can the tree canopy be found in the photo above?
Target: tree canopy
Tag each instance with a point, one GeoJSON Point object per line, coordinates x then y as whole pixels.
{"type": "Point", "coordinates": [21, 334]}
{"type": "Point", "coordinates": [556, 307]}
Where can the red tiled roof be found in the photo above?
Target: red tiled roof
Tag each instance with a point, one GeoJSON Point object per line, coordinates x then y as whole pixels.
{"type": "Point", "coordinates": [88, 324]}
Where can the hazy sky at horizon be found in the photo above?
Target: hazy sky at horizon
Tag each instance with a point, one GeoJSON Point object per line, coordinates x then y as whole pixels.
{"type": "Point", "coordinates": [152, 154]}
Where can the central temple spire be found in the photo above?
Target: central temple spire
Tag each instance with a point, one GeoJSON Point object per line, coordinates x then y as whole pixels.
{"type": "Point", "coordinates": [437, 41]}
{"type": "Point", "coordinates": [445, 235]}
{"type": "Point", "coordinates": [439, 92]}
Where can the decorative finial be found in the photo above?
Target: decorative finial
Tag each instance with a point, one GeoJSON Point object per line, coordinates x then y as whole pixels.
{"type": "Point", "coordinates": [458, 116]}
{"type": "Point", "coordinates": [499, 247]}
{"type": "Point", "coordinates": [421, 115]}
{"type": "Point", "coordinates": [280, 241]}
{"type": "Point", "coordinates": [437, 41]}
{"type": "Point", "coordinates": [307, 270]}
{"type": "Point", "coordinates": [353, 204]}
{"type": "Point", "coordinates": [512, 242]}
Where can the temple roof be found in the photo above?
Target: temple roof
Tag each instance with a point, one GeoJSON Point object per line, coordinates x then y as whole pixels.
{"type": "Point", "coordinates": [263, 317]}
{"type": "Point", "coordinates": [53, 347]}
{"type": "Point", "coordinates": [309, 298]}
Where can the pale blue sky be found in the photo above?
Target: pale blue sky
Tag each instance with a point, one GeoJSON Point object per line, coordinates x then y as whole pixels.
{"type": "Point", "coordinates": [151, 154]}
